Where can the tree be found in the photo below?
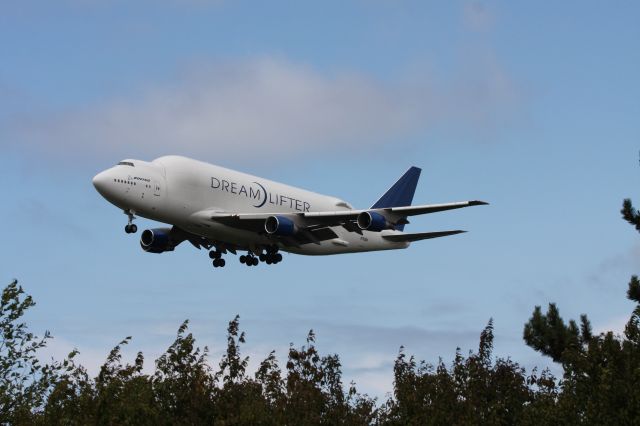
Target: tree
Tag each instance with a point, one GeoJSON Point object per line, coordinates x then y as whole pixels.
{"type": "Point", "coordinates": [474, 390]}
{"type": "Point", "coordinates": [238, 398]}
{"type": "Point", "coordinates": [630, 214]}
{"type": "Point", "coordinates": [183, 385]}
{"type": "Point", "coordinates": [314, 390]}
{"type": "Point", "coordinates": [25, 383]}
{"type": "Point", "coordinates": [548, 334]}
{"type": "Point", "coordinates": [601, 373]}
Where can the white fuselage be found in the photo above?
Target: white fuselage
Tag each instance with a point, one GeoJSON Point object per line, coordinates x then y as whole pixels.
{"type": "Point", "coordinates": [174, 189]}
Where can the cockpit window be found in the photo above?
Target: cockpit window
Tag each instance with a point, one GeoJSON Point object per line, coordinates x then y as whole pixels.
{"type": "Point", "coordinates": [126, 163]}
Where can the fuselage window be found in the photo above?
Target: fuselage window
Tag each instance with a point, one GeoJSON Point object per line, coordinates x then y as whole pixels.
{"type": "Point", "coordinates": [125, 163]}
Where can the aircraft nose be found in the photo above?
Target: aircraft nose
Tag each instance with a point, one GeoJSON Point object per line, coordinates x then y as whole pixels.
{"type": "Point", "coordinates": [100, 182]}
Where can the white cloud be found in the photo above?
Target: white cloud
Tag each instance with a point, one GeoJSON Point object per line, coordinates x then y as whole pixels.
{"type": "Point", "coordinates": [267, 108]}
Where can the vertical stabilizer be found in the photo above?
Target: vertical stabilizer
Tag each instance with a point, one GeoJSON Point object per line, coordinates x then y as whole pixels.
{"type": "Point", "coordinates": [401, 193]}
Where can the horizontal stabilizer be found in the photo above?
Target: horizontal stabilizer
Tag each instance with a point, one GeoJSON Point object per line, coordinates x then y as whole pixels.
{"type": "Point", "coordinates": [434, 208]}
{"type": "Point", "coordinates": [408, 238]}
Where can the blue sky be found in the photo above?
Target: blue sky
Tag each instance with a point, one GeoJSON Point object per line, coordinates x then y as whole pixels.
{"type": "Point", "coordinates": [530, 107]}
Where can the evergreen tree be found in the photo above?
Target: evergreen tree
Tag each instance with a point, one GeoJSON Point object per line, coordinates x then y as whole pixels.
{"type": "Point", "coordinates": [601, 373]}
{"type": "Point", "coordinates": [630, 214]}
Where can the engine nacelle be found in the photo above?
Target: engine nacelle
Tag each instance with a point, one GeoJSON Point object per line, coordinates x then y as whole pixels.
{"type": "Point", "coordinates": [280, 225]}
{"type": "Point", "coordinates": [373, 221]}
{"type": "Point", "coordinates": [156, 240]}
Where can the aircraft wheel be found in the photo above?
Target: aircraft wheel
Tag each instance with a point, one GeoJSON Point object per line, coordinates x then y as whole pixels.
{"type": "Point", "coordinates": [243, 258]}
{"type": "Point", "coordinates": [278, 257]}
{"type": "Point", "coordinates": [221, 262]}
{"type": "Point", "coordinates": [127, 229]}
{"type": "Point", "coordinates": [215, 263]}
{"type": "Point", "coordinates": [268, 261]}
{"type": "Point", "coordinates": [133, 228]}
{"type": "Point", "coordinates": [215, 254]}
{"type": "Point", "coordinates": [255, 261]}
{"type": "Point", "coordinates": [263, 257]}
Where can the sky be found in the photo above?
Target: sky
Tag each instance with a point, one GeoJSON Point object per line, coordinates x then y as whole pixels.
{"type": "Point", "coordinates": [531, 107]}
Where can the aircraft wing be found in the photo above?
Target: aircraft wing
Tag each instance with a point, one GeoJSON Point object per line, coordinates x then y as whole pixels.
{"type": "Point", "coordinates": [255, 222]}
{"type": "Point", "coordinates": [315, 225]}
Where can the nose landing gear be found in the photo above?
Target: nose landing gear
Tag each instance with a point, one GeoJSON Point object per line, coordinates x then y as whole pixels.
{"type": "Point", "coordinates": [131, 227]}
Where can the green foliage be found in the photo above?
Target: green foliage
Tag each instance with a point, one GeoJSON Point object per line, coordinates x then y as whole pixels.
{"type": "Point", "coordinates": [601, 373]}
{"type": "Point", "coordinates": [633, 292]}
{"type": "Point", "coordinates": [183, 389]}
{"type": "Point", "coordinates": [599, 385]}
{"type": "Point", "coordinates": [474, 390]}
{"type": "Point", "coordinates": [314, 391]}
{"type": "Point", "coordinates": [548, 334]}
{"type": "Point", "coordinates": [183, 385]}
{"type": "Point", "coordinates": [630, 214]}
{"type": "Point", "coordinates": [25, 383]}
{"type": "Point", "coordinates": [238, 399]}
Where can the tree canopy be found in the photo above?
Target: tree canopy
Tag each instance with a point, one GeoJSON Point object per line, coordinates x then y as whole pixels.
{"type": "Point", "coordinates": [599, 383]}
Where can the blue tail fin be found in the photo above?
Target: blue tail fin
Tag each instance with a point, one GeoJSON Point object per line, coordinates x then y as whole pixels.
{"type": "Point", "coordinates": [401, 193]}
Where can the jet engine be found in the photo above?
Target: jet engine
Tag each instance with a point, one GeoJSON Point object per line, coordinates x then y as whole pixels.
{"type": "Point", "coordinates": [156, 240]}
{"type": "Point", "coordinates": [280, 225]}
{"type": "Point", "coordinates": [373, 221]}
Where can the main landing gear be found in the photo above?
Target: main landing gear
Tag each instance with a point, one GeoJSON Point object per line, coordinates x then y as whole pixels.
{"type": "Point", "coordinates": [218, 261]}
{"type": "Point", "coordinates": [270, 256]}
{"type": "Point", "coordinates": [131, 227]}
{"type": "Point", "coordinates": [249, 259]}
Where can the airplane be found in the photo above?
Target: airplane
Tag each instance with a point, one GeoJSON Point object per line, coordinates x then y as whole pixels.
{"type": "Point", "coordinates": [225, 211]}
